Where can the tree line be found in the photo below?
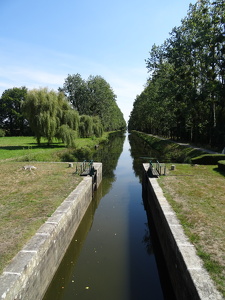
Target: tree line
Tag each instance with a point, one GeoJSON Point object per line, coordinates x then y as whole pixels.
{"type": "Point", "coordinates": [184, 97]}
{"type": "Point", "coordinates": [81, 108]}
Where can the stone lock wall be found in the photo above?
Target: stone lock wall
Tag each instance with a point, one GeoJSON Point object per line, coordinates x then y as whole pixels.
{"type": "Point", "coordinates": [188, 276]}
{"type": "Point", "coordinates": [32, 269]}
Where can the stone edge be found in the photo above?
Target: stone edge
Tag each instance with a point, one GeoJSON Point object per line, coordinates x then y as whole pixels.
{"type": "Point", "coordinates": [32, 269]}
{"type": "Point", "coordinates": [204, 285]}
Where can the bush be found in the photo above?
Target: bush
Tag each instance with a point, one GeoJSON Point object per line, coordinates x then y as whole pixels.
{"type": "Point", "coordinates": [208, 159]}
{"type": "Point", "coordinates": [2, 132]}
{"type": "Point", "coordinates": [221, 165]}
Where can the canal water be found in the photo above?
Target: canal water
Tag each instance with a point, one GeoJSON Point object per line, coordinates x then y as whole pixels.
{"type": "Point", "coordinates": [113, 255]}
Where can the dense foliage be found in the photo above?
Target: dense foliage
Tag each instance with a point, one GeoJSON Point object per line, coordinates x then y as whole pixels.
{"type": "Point", "coordinates": [94, 97]}
{"type": "Point", "coordinates": [184, 97]}
{"type": "Point", "coordinates": [80, 109]}
{"type": "Point", "coordinates": [12, 121]}
{"type": "Point", "coordinates": [50, 115]}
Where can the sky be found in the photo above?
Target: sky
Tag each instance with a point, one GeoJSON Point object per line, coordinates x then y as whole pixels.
{"type": "Point", "coordinates": [42, 41]}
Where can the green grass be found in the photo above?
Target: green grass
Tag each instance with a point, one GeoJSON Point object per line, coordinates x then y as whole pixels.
{"type": "Point", "coordinates": [26, 148]}
{"type": "Point", "coordinates": [28, 198]}
{"type": "Point", "coordinates": [170, 150]}
{"type": "Point", "coordinates": [197, 195]}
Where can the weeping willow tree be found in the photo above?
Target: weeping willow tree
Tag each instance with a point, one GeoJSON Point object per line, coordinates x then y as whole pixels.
{"type": "Point", "coordinates": [97, 127]}
{"type": "Point", "coordinates": [67, 135]}
{"type": "Point", "coordinates": [86, 126]}
{"type": "Point", "coordinates": [50, 115]}
{"type": "Point", "coordinates": [69, 128]}
{"type": "Point", "coordinates": [90, 126]}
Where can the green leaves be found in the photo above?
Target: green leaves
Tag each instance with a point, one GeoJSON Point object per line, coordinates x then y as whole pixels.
{"type": "Point", "coordinates": [50, 115]}
{"type": "Point", "coordinates": [11, 118]}
{"type": "Point", "coordinates": [94, 97]}
{"type": "Point", "coordinates": [184, 97]}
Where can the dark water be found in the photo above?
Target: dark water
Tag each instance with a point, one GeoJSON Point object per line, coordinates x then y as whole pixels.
{"type": "Point", "coordinates": [112, 256]}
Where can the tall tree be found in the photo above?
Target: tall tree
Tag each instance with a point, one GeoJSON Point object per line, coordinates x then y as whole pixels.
{"type": "Point", "coordinates": [94, 97]}
{"type": "Point", "coordinates": [185, 90]}
{"type": "Point", "coordinates": [11, 118]}
{"type": "Point", "coordinates": [75, 88]}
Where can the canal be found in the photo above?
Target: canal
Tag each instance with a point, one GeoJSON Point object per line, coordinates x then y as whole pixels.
{"type": "Point", "coordinates": [114, 255]}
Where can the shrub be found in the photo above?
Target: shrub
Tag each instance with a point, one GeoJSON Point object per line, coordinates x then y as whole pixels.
{"type": "Point", "coordinates": [221, 165]}
{"type": "Point", "coordinates": [84, 153]}
{"type": "Point", "coordinates": [208, 159]}
{"type": "Point", "coordinates": [2, 132]}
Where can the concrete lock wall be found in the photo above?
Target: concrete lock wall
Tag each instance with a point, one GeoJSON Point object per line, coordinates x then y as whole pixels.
{"type": "Point", "coordinates": [98, 168]}
{"type": "Point", "coordinates": [188, 276]}
{"type": "Point", "coordinates": [32, 269]}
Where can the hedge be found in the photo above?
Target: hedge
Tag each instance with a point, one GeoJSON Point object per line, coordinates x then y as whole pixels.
{"type": "Point", "coordinates": [208, 159]}
{"type": "Point", "coordinates": [221, 165]}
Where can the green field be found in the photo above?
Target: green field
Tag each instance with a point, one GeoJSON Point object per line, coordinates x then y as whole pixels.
{"type": "Point", "coordinates": [28, 198]}
{"type": "Point", "coordinates": [26, 148]}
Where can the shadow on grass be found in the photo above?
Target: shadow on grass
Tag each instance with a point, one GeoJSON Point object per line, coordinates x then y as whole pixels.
{"type": "Point", "coordinates": [221, 172]}
{"type": "Point", "coordinates": [33, 146]}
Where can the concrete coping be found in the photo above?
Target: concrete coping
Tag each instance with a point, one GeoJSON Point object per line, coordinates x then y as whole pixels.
{"type": "Point", "coordinates": [194, 265]}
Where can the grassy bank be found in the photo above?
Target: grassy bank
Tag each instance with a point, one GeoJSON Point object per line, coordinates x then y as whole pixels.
{"type": "Point", "coordinates": [171, 151]}
{"type": "Point", "coordinates": [197, 195]}
{"type": "Point", "coordinates": [26, 148]}
{"type": "Point", "coordinates": [28, 198]}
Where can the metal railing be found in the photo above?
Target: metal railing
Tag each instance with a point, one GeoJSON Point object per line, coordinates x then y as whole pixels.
{"type": "Point", "coordinates": [84, 167]}
{"type": "Point", "coordinates": [157, 168]}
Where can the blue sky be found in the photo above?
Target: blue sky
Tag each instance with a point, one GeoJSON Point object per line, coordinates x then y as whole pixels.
{"type": "Point", "coordinates": [42, 41]}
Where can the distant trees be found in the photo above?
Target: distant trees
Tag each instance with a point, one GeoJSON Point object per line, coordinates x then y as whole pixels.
{"type": "Point", "coordinates": [94, 97]}
{"type": "Point", "coordinates": [184, 97]}
{"type": "Point", "coordinates": [79, 109]}
{"type": "Point", "coordinates": [11, 117]}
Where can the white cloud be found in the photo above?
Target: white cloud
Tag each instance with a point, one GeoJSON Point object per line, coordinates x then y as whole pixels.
{"type": "Point", "coordinates": [50, 68]}
{"type": "Point", "coordinates": [31, 78]}
{"type": "Point", "coordinates": [126, 88]}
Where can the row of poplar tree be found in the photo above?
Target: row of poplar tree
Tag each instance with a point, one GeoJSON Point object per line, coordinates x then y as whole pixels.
{"type": "Point", "coordinates": [184, 97]}
{"type": "Point", "coordinates": [81, 108]}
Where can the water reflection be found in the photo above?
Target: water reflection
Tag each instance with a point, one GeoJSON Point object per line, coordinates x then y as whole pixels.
{"type": "Point", "coordinates": [111, 256]}
{"type": "Point", "coordinates": [141, 152]}
{"type": "Point", "coordinates": [108, 154]}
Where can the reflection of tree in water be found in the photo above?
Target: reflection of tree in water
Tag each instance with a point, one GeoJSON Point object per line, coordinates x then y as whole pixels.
{"type": "Point", "coordinates": [147, 240]}
{"type": "Point", "coordinates": [108, 154]}
{"type": "Point", "coordinates": [140, 149]}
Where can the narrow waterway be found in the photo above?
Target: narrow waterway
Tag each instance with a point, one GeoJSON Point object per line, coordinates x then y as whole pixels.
{"type": "Point", "coordinates": [111, 256]}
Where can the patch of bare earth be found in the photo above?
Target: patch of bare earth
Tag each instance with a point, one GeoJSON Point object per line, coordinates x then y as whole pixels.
{"type": "Point", "coordinates": [28, 198]}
